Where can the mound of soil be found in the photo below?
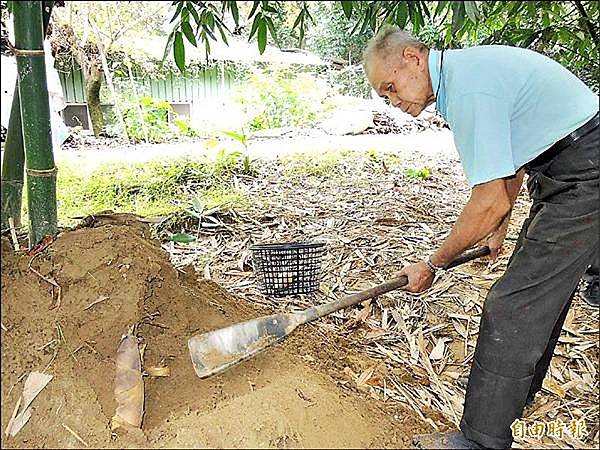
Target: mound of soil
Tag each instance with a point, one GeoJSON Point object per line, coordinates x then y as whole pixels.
{"type": "Point", "coordinates": [290, 396]}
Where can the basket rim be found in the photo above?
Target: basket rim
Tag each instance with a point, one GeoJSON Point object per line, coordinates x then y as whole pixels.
{"type": "Point", "coordinates": [287, 246]}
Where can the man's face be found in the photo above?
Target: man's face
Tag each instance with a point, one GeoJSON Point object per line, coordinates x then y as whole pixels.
{"type": "Point", "coordinates": [403, 79]}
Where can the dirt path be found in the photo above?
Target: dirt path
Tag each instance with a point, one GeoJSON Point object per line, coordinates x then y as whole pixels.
{"type": "Point", "coordinates": [427, 142]}
{"type": "Point", "coordinates": [300, 394]}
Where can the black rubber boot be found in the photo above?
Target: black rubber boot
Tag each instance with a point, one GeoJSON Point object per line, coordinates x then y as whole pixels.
{"type": "Point", "coordinates": [590, 290]}
{"type": "Point", "coordinates": [451, 440]}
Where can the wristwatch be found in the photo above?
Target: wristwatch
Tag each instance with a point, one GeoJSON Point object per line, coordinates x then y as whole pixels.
{"type": "Point", "coordinates": [431, 266]}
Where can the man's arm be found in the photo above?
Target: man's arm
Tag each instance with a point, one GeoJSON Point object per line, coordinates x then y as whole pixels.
{"type": "Point", "coordinates": [484, 212]}
{"type": "Point", "coordinates": [486, 209]}
{"type": "Point", "coordinates": [513, 187]}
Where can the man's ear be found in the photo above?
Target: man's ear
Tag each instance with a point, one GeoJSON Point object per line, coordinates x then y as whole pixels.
{"type": "Point", "coordinates": [412, 55]}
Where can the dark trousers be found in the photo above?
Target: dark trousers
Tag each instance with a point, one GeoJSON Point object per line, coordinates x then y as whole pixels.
{"type": "Point", "coordinates": [525, 309]}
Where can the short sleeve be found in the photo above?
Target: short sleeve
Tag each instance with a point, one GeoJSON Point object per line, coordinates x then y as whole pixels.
{"type": "Point", "coordinates": [481, 127]}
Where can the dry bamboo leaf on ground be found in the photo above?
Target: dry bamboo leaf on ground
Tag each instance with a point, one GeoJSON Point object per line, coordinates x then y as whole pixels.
{"type": "Point", "coordinates": [554, 387]}
{"type": "Point", "coordinates": [438, 350]}
{"type": "Point", "coordinates": [129, 385]}
{"type": "Point", "coordinates": [158, 371]}
{"type": "Point", "coordinates": [363, 378]}
{"type": "Point", "coordinates": [34, 384]}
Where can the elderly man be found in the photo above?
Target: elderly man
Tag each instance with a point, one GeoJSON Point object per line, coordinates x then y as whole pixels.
{"type": "Point", "coordinates": [512, 111]}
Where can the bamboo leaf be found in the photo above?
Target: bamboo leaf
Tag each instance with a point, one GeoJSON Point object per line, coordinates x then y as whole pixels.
{"type": "Point", "coordinates": [197, 203]}
{"type": "Point", "coordinates": [472, 11]}
{"type": "Point", "coordinates": [308, 14]}
{"type": "Point", "coordinates": [347, 7]}
{"type": "Point", "coordinates": [209, 33]}
{"type": "Point", "coordinates": [301, 29]}
{"type": "Point", "coordinates": [423, 7]}
{"type": "Point", "coordinates": [177, 12]}
{"type": "Point", "coordinates": [458, 16]}
{"type": "Point", "coordinates": [270, 9]}
{"type": "Point", "coordinates": [179, 51]}
{"type": "Point", "coordinates": [210, 20]}
{"type": "Point", "coordinates": [401, 14]}
{"type": "Point", "coordinates": [298, 19]}
{"type": "Point", "coordinates": [231, 134]}
{"type": "Point", "coordinates": [235, 12]}
{"type": "Point", "coordinates": [373, 22]}
{"type": "Point", "coordinates": [182, 238]}
{"type": "Point", "coordinates": [189, 34]}
{"type": "Point", "coordinates": [254, 8]}
{"type": "Point", "coordinates": [254, 27]}
{"type": "Point", "coordinates": [440, 7]}
{"type": "Point", "coordinates": [262, 36]}
{"type": "Point", "coordinates": [194, 13]}
{"type": "Point", "coordinates": [222, 32]}
{"type": "Point", "coordinates": [168, 46]}
{"type": "Point", "coordinates": [415, 17]}
{"type": "Point", "coordinates": [271, 26]}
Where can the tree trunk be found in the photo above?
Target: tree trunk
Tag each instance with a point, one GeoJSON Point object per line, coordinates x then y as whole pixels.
{"type": "Point", "coordinates": [35, 118]}
{"type": "Point", "coordinates": [13, 163]}
{"type": "Point", "coordinates": [93, 81]}
{"type": "Point", "coordinates": [109, 81]}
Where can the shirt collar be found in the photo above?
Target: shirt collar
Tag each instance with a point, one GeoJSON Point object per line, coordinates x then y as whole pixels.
{"type": "Point", "coordinates": [434, 74]}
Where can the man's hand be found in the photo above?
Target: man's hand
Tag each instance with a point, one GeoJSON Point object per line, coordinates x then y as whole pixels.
{"type": "Point", "coordinates": [419, 276]}
{"type": "Point", "coordinates": [495, 241]}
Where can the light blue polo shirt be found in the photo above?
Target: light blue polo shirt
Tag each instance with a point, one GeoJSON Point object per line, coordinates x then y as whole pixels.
{"type": "Point", "coordinates": [506, 105]}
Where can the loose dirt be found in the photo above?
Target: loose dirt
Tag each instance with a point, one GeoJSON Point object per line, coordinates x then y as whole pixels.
{"type": "Point", "coordinates": [297, 394]}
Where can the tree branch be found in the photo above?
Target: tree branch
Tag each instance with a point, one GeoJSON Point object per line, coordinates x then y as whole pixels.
{"type": "Point", "coordinates": [588, 22]}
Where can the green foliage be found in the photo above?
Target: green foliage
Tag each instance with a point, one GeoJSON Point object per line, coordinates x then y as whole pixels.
{"type": "Point", "coordinates": [242, 138]}
{"type": "Point", "coordinates": [184, 127]}
{"type": "Point", "coordinates": [228, 162]}
{"type": "Point", "coordinates": [181, 238]}
{"type": "Point", "coordinates": [331, 36]}
{"type": "Point", "coordinates": [147, 119]}
{"type": "Point", "coordinates": [417, 173]}
{"type": "Point", "coordinates": [274, 98]}
{"type": "Point", "coordinates": [566, 31]}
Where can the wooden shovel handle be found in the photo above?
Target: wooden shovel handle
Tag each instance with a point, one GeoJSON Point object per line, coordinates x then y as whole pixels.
{"type": "Point", "coordinates": [469, 256]}
{"type": "Point", "coordinates": [395, 283]}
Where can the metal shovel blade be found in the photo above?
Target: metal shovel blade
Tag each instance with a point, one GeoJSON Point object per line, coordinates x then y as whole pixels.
{"type": "Point", "coordinates": [221, 349]}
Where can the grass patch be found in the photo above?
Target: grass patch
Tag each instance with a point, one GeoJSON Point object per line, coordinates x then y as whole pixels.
{"type": "Point", "coordinates": [335, 163]}
{"type": "Point", "coordinates": [385, 159]}
{"type": "Point", "coordinates": [327, 164]}
{"type": "Point", "coordinates": [149, 189]}
{"type": "Point", "coordinates": [423, 173]}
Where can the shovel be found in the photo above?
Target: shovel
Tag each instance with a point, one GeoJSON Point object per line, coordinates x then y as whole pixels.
{"type": "Point", "coordinates": [218, 350]}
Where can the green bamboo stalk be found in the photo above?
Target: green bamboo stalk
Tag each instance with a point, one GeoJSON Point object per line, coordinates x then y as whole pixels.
{"type": "Point", "coordinates": [13, 163]}
{"type": "Point", "coordinates": [35, 118]}
{"type": "Point", "coordinates": [13, 160]}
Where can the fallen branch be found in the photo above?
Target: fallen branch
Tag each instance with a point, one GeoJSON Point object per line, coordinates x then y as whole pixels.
{"type": "Point", "coordinates": [95, 302]}
{"type": "Point", "coordinates": [56, 289]}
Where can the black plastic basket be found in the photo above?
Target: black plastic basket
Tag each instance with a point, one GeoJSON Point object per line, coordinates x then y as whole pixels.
{"type": "Point", "coordinates": [288, 269]}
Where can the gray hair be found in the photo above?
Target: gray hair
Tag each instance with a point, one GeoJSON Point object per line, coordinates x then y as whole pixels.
{"type": "Point", "coordinates": [388, 40]}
